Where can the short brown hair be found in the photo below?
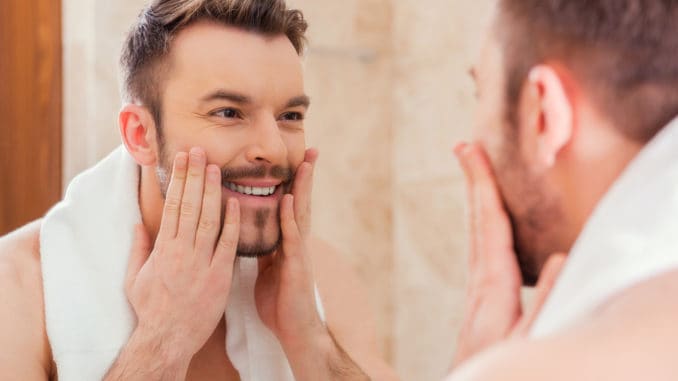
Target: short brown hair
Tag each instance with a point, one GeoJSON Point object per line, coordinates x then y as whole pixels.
{"type": "Point", "coordinates": [149, 40]}
{"type": "Point", "coordinates": [624, 52]}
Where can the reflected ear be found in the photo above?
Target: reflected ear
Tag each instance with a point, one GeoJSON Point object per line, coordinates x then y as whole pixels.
{"type": "Point", "coordinates": [550, 117]}
{"type": "Point", "coordinates": [138, 132]}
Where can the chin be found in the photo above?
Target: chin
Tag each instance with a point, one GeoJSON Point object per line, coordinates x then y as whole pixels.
{"type": "Point", "coordinates": [257, 249]}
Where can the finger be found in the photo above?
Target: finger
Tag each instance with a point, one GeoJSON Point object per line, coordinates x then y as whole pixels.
{"type": "Point", "coordinates": [208, 227]}
{"type": "Point", "coordinates": [175, 190]}
{"type": "Point", "coordinates": [311, 156]}
{"type": "Point", "coordinates": [480, 178]}
{"type": "Point", "coordinates": [141, 249]}
{"type": "Point", "coordinates": [191, 202]}
{"type": "Point", "coordinates": [547, 280]}
{"type": "Point", "coordinates": [490, 226]}
{"type": "Point", "coordinates": [302, 191]}
{"type": "Point", "coordinates": [292, 239]}
{"type": "Point", "coordinates": [227, 246]}
{"type": "Point", "coordinates": [302, 195]}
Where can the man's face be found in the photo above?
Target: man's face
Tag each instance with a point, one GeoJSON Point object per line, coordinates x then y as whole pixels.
{"type": "Point", "coordinates": [240, 97]}
{"type": "Point", "coordinates": [530, 201]}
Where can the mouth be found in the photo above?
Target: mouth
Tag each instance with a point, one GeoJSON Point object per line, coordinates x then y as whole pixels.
{"type": "Point", "coordinates": [249, 190]}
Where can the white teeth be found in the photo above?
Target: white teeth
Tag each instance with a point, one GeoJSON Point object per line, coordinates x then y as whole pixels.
{"type": "Point", "coordinates": [255, 191]}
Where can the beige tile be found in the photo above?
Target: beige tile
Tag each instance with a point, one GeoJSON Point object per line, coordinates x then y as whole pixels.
{"type": "Point", "coordinates": [430, 266]}
{"type": "Point", "coordinates": [352, 195]}
{"type": "Point", "coordinates": [340, 26]}
{"type": "Point", "coordinates": [434, 46]}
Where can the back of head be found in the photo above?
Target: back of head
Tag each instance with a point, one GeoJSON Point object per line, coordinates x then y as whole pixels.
{"type": "Point", "coordinates": [624, 53]}
{"type": "Point", "coordinates": [144, 57]}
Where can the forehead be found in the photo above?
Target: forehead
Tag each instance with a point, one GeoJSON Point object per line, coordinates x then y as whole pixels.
{"type": "Point", "coordinates": [207, 56]}
{"type": "Point", "coordinates": [489, 62]}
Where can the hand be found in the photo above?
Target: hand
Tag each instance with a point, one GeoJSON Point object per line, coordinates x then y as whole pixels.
{"type": "Point", "coordinates": [494, 310]}
{"type": "Point", "coordinates": [285, 292]}
{"type": "Point", "coordinates": [179, 290]}
{"type": "Point", "coordinates": [285, 288]}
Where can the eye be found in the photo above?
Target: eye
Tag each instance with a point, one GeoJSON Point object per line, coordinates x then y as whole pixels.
{"type": "Point", "coordinates": [228, 113]}
{"type": "Point", "coordinates": [292, 116]}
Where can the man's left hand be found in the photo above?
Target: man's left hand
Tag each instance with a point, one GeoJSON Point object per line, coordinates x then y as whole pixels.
{"type": "Point", "coordinates": [285, 288]}
{"type": "Point", "coordinates": [285, 292]}
{"type": "Point", "coordinates": [494, 311]}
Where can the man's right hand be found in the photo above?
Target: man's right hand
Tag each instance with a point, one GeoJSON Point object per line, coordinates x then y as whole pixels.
{"type": "Point", "coordinates": [179, 288]}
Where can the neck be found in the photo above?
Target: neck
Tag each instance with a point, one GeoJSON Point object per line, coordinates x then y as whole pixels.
{"type": "Point", "coordinates": [151, 202]}
{"type": "Point", "coordinates": [599, 159]}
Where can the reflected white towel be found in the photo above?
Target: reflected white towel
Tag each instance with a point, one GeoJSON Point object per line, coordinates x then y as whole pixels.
{"type": "Point", "coordinates": [631, 236]}
{"type": "Point", "coordinates": [85, 244]}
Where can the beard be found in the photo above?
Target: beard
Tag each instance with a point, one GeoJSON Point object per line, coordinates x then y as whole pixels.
{"type": "Point", "coordinates": [260, 231]}
{"type": "Point", "coordinates": [534, 212]}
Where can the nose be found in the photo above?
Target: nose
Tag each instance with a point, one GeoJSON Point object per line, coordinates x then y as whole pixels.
{"type": "Point", "coordinates": [267, 145]}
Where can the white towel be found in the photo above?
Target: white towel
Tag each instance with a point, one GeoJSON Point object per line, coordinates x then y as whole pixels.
{"type": "Point", "coordinates": [631, 236]}
{"type": "Point", "coordinates": [85, 245]}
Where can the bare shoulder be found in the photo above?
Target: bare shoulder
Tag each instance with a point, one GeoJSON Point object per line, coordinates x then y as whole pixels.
{"type": "Point", "coordinates": [342, 293]}
{"type": "Point", "coordinates": [26, 353]}
{"type": "Point", "coordinates": [631, 337]}
{"type": "Point", "coordinates": [350, 315]}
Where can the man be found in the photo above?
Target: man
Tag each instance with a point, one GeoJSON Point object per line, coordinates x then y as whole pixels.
{"type": "Point", "coordinates": [577, 153]}
{"type": "Point", "coordinates": [215, 167]}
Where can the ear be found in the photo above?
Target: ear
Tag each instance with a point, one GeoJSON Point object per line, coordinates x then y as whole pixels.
{"type": "Point", "coordinates": [138, 132]}
{"type": "Point", "coordinates": [548, 116]}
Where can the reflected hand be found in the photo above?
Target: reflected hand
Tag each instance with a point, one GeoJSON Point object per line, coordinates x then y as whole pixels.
{"type": "Point", "coordinates": [179, 288]}
{"type": "Point", "coordinates": [285, 288]}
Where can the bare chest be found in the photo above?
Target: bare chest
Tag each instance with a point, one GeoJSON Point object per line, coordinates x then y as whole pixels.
{"type": "Point", "coordinates": [209, 364]}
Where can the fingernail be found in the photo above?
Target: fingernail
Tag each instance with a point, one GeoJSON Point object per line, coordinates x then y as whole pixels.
{"type": "Point", "coordinates": [213, 172]}
{"type": "Point", "coordinates": [468, 149]}
{"type": "Point", "coordinates": [459, 149]}
{"type": "Point", "coordinates": [181, 159]}
{"type": "Point", "coordinates": [197, 152]}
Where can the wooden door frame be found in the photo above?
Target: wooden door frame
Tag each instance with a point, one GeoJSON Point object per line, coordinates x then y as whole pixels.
{"type": "Point", "coordinates": [30, 110]}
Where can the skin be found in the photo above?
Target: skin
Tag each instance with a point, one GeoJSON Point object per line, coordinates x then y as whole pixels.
{"type": "Point", "coordinates": [190, 241]}
{"type": "Point", "coordinates": [560, 133]}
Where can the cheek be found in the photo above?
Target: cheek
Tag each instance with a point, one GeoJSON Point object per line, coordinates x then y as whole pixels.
{"type": "Point", "coordinates": [295, 142]}
{"type": "Point", "coordinates": [217, 143]}
{"type": "Point", "coordinates": [489, 135]}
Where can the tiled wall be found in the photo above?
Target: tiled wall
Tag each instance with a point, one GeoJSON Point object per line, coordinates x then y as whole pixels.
{"type": "Point", "coordinates": [391, 96]}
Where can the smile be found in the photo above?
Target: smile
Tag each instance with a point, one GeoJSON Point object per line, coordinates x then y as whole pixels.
{"type": "Point", "coordinates": [251, 191]}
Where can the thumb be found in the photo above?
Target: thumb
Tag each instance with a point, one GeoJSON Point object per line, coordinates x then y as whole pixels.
{"type": "Point", "coordinates": [141, 249]}
{"type": "Point", "coordinates": [547, 278]}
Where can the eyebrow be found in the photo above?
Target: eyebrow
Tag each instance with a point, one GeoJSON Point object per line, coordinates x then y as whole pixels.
{"type": "Point", "coordinates": [299, 101]}
{"type": "Point", "coordinates": [221, 94]}
{"type": "Point", "coordinates": [226, 95]}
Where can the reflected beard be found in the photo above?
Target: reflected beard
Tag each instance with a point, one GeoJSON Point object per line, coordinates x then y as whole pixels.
{"type": "Point", "coordinates": [260, 248]}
